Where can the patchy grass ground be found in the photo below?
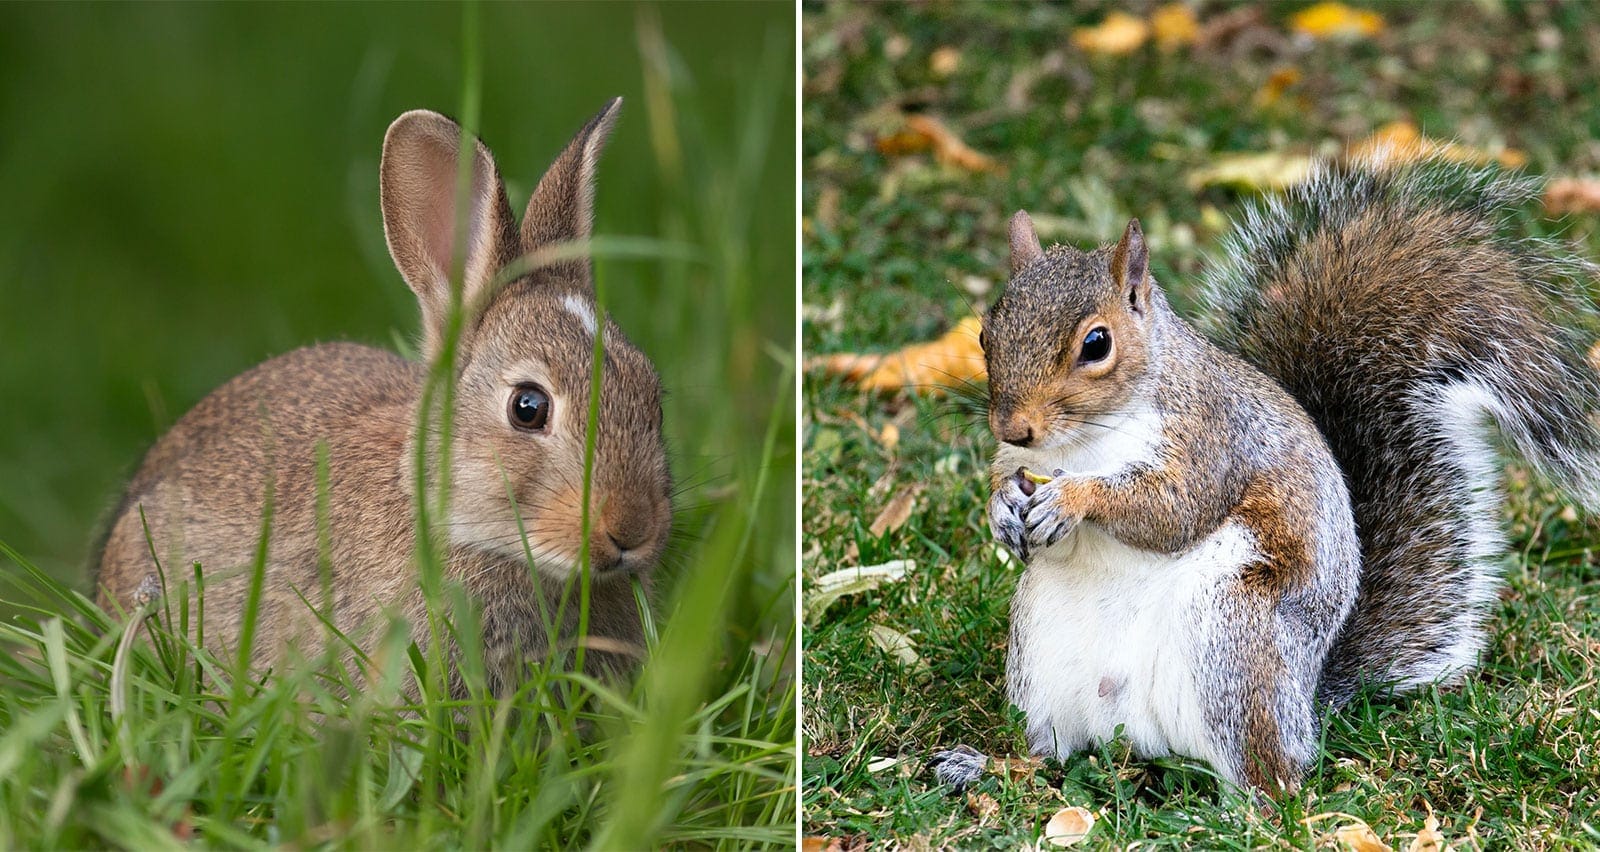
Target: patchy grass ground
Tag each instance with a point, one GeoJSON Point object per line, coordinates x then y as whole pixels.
{"type": "Point", "coordinates": [898, 247]}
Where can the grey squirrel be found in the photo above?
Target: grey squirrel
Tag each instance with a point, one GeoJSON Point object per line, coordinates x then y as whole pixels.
{"type": "Point", "coordinates": [1226, 533]}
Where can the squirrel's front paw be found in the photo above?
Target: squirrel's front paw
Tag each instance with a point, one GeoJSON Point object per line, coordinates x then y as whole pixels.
{"type": "Point", "coordinates": [1046, 519]}
{"type": "Point", "coordinates": [1008, 511]}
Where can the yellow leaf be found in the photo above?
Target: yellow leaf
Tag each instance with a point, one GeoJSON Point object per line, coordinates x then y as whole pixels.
{"type": "Point", "coordinates": [1402, 142]}
{"type": "Point", "coordinates": [952, 359]}
{"type": "Point", "coordinates": [1069, 826]}
{"type": "Point", "coordinates": [1429, 839]}
{"type": "Point", "coordinates": [889, 437]}
{"type": "Point", "coordinates": [1336, 20]}
{"type": "Point", "coordinates": [924, 133]}
{"type": "Point", "coordinates": [1359, 838]}
{"type": "Point", "coordinates": [1280, 81]}
{"type": "Point", "coordinates": [1174, 25]}
{"type": "Point", "coordinates": [1120, 33]}
{"type": "Point", "coordinates": [1572, 195]}
{"type": "Point", "coordinates": [1258, 172]}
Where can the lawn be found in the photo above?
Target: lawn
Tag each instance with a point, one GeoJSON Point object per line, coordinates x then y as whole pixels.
{"type": "Point", "coordinates": [899, 244]}
{"type": "Point", "coordinates": [193, 189]}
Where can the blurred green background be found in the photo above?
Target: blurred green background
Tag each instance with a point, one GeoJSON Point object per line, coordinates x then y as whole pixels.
{"type": "Point", "coordinates": [190, 189]}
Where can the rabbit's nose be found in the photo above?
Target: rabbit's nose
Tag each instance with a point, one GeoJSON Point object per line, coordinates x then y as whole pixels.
{"type": "Point", "coordinates": [629, 536]}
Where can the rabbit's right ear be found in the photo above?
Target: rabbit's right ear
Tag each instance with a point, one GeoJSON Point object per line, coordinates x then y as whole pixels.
{"type": "Point", "coordinates": [561, 209]}
{"type": "Point", "coordinates": [418, 189]}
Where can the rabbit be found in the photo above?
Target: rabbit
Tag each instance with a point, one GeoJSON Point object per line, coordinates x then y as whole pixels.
{"type": "Point", "coordinates": [523, 376]}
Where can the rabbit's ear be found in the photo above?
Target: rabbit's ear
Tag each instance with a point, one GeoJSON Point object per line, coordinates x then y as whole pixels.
{"type": "Point", "coordinates": [418, 186]}
{"type": "Point", "coordinates": [562, 207]}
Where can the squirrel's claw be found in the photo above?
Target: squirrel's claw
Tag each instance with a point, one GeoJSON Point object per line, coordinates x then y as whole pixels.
{"type": "Point", "coordinates": [1045, 522]}
{"type": "Point", "coordinates": [1008, 510]}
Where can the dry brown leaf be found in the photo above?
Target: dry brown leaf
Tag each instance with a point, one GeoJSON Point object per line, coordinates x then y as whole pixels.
{"type": "Point", "coordinates": [1258, 172]}
{"type": "Point", "coordinates": [896, 513]}
{"type": "Point", "coordinates": [1174, 25]}
{"type": "Point", "coordinates": [948, 147]}
{"type": "Point", "coordinates": [1120, 33]}
{"type": "Point", "coordinates": [1016, 768]}
{"type": "Point", "coordinates": [821, 844]}
{"type": "Point", "coordinates": [1402, 142]}
{"type": "Point", "coordinates": [1572, 195]}
{"type": "Point", "coordinates": [1360, 838]}
{"type": "Point", "coordinates": [944, 61]}
{"type": "Point", "coordinates": [983, 806]}
{"type": "Point", "coordinates": [1280, 81]}
{"type": "Point", "coordinates": [925, 133]}
{"type": "Point", "coordinates": [1336, 20]}
{"type": "Point", "coordinates": [1068, 827]}
{"type": "Point", "coordinates": [1429, 839]}
{"type": "Point", "coordinates": [950, 360]}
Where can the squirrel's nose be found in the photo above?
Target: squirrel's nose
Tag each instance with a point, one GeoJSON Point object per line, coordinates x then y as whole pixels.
{"type": "Point", "coordinates": [1016, 431]}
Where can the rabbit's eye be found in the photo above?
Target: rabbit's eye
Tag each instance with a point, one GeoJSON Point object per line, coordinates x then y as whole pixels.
{"type": "Point", "coordinates": [529, 408]}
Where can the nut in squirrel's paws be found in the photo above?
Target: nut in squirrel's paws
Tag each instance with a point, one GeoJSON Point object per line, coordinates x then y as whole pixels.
{"type": "Point", "coordinates": [1025, 513]}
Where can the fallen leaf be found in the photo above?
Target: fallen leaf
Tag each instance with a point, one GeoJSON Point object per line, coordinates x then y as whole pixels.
{"type": "Point", "coordinates": [1174, 25]}
{"type": "Point", "coordinates": [889, 437]}
{"type": "Point", "coordinates": [1257, 172]}
{"type": "Point", "coordinates": [1332, 20]}
{"type": "Point", "coordinates": [1120, 33]}
{"type": "Point", "coordinates": [944, 61]}
{"type": "Point", "coordinates": [952, 359]}
{"type": "Point", "coordinates": [1068, 827]}
{"type": "Point", "coordinates": [1272, 91]}
{"type": "Point", "coordinates": [1402, 142]}
{"type": "Point", "coordinates": [895, 514]}
{"type": "Point", "coordinates": [1360, 838]}
{"type": "Point", "coordinates": [1572, 195]}
{"type": "Point", "coordinates": [1429, 839]}
{"type": "Point", "coordinates": [895, 644]}
{"type": "Point", "coordinates": [878, 764]}
{"type": "Point", "coordinates": [1016, 768]}
{"type": "Point", "coordinates": [983, 806]}
{"type": "Point", "coordinates": [948, 148]}
{"type": "Point", "coordinates": [830, 587]}
{"type": "Point", "coordinates": [821, 844]}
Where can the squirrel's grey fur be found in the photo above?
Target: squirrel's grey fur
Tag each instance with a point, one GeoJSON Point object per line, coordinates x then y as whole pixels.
{"type": "Point", "coordinates": [1244, 527]}
{"type": "Point", "coordinates": [1400, 348]}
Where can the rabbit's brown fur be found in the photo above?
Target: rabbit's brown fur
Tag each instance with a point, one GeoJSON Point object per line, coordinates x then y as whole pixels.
{"type": "Point", "coordinates": [202, 489]}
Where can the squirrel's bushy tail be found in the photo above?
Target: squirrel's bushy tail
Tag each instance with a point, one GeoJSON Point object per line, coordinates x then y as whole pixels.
{"type": "Point", "coordinates": [1394, 304]}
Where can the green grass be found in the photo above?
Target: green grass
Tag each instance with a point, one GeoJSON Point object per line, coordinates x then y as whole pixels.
{"type": "Point", "coordinates": [896, 250]}
{"type": "Point", "coordinates": [108, 739]}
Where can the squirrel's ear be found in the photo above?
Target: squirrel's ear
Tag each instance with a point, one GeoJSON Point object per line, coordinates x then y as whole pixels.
{"type": "Point", "coordinates": [1130, 267]}
{"type": "Point", "coordinates": [1025, 247]}
{"type": "Point", "coordinates": [417, 181]}
{"type": "Point", "coordinates": [562, 206]}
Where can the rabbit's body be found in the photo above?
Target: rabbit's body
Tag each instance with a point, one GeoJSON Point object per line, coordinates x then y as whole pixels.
{"type": "Point", "coordinates": [516, 487]}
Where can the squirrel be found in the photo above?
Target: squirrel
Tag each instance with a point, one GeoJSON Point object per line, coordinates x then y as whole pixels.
{"type": "Point", "coordinates": [1227, 533]}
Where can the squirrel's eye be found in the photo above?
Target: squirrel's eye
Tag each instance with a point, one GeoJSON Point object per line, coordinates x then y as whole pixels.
{"type": "Point", "coordinates": [983, 339]}
{"type": "Point", "coordinates": [529, 408]}
{"type": "Point", "coordinates": [1096, 345]}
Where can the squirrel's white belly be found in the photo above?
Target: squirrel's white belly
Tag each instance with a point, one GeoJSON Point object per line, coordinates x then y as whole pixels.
{"type": "Point", "coordinates": [1104, 634]}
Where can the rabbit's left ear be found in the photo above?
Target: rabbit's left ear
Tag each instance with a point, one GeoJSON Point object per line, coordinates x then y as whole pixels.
{"type": "Point", "coordinates": [561, 209]}
{"type": "Point", "coordinates": [418, 181]}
